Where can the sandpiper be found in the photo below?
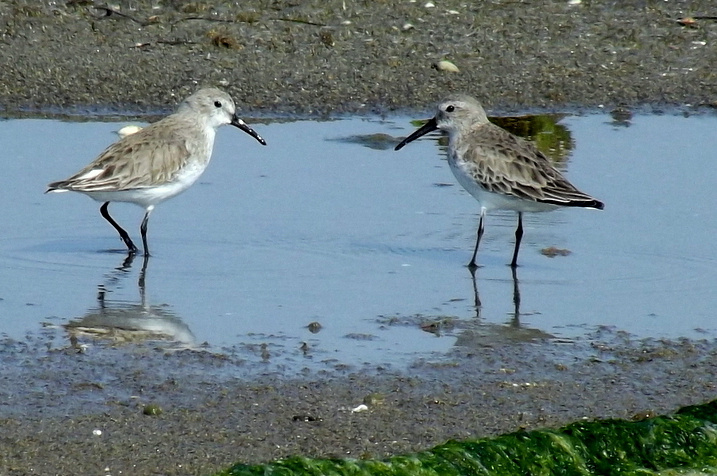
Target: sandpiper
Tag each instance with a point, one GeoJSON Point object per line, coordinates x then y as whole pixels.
{"type": "Point", "coordinates": [500, 170]}
{"type": "Point", "coordinates": [157, 162]}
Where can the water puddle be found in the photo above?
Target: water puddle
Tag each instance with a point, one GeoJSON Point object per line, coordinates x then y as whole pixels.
{"type": "Point", "coordinates": [328, 247]}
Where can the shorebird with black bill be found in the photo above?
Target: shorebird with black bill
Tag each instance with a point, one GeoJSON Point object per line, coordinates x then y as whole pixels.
{"type": "Point", "coordinates": [159, 161]}
{"type": "Point", "coordinates": [500, 170]}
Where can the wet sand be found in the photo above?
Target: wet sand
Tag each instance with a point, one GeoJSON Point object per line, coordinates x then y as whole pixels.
{"type": "Point", "coordinates": [333, 57]}
{"type": "Point", "coordinates": [64, 412]}
{"type": "Point", "coordinates": [141, 410]}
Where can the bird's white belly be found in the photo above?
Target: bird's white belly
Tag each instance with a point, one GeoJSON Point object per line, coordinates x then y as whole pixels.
{"type": "Point", "coordinates": [150, 196]}
{"type": "Point", "coordinates": [494, 201]}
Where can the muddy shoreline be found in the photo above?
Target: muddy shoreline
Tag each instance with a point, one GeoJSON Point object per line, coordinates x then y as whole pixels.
{"type": "Point", "coordinates": [64, 412]}
{"type": "Point", "coordinates": [140, 409]}
{"type": "Point", "coordinates": [327, 58]}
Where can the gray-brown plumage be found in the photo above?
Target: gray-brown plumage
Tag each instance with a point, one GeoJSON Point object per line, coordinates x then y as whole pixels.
{"type": "Point", "coordinates": [500, 170]}
{"type": "Point", "coordinates": [158, 162]}
{"type": "Point", "coordinates": [152, 156]}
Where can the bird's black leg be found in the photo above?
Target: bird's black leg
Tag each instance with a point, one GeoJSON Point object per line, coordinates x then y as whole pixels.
{"type": "Point", "coordinates": [123, 234]}
{"type": "Point", "coordinates": [143, 229]}
{"type": "Point", "coordinates": [472, 264]}
{"type": "Point", "coordinates": [516, 298]}
{"type": "Point", "coordinates": [518, 237]}
{"type": "Point", "coordinates": [476, 296]}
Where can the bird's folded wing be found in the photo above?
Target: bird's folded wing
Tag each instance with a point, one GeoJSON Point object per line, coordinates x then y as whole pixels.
{"type": "Point", "coordinates": [505, 164]}
{"type": "Point", "coordinates": [128, 165]}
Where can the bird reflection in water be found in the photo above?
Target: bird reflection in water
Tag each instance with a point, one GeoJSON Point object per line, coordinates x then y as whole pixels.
{"type": "Point", "coordinates": [124, 321]}
{"type": "Point", "coordinates": [489, 333]}
{"type": "Point", "coordinates": [515, 321]}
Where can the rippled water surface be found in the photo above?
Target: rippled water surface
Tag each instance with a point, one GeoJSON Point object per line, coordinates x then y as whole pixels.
{"type": "Point", "coordinates": [327, 225]}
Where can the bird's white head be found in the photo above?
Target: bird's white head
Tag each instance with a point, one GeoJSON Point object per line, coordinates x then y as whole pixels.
{"type": "Point", "coordinates": [455, 113]}
{"type": "Point", "coordinates": [459, 112]}
{"type": "Point", "coordinates": [215, 108]}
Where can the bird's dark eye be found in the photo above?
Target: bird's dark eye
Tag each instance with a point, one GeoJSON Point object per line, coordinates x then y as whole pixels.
{"type": "Point", "coordinates": [450, 108]}
{"type": "Point", "coordinates": [217, 104]}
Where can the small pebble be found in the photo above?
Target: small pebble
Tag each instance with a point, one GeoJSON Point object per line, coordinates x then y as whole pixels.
{"type": "Point", "coordinates": [128, 130]}
{"type": "Point", "coordinates": [552, 252]}
{"type": "Point", "coordinates": [152, 410]}
{"type": "Point", "coordinates": [314, 327]}
{"type": "Point", "coordinates": [445, 65]}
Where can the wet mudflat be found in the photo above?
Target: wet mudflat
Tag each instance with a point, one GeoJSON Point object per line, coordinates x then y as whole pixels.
{"type": "Point", "coordinates": [87, 414]}
{"type": "Point", "coordinates": [642, 268]}
{"type": "Point", "coordinates": [369, 243]}
{"type": "Point", "coordinates": [326, 57]}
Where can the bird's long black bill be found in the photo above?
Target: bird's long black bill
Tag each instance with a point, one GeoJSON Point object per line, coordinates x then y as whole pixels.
{"type": "Point", "coordinates": [236, 122]}
{"type": "Point", "coordinates": [429, 126]}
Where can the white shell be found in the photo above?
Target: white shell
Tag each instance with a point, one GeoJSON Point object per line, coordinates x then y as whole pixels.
{"type": "Point", "coordinates": [128, 130]}
{"type": "Point", "coordinates": [445, 65]}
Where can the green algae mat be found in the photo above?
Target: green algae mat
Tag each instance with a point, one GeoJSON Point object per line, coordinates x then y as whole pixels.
{"type": "Point", "coordinates": [684, 443]}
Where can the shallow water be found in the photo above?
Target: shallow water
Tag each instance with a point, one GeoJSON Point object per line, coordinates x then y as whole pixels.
{"type": "Point", "coordinates": [368, 242]}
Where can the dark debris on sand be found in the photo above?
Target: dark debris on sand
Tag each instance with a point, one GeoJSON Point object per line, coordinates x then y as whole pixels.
{"type": "Point", "coordinates": [332, 57]}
